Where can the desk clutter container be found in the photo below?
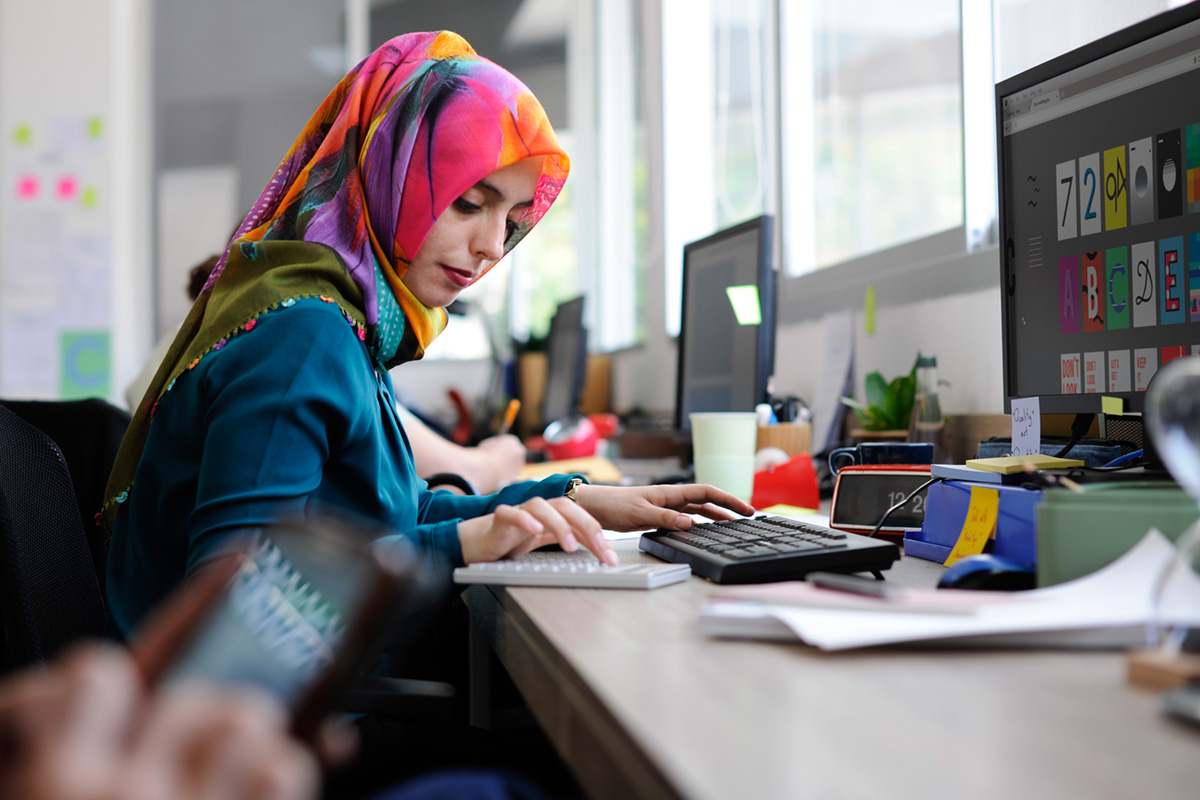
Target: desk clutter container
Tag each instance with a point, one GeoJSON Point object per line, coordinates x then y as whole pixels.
{"type": "Point", "coordinates": [792, 438]}
{"type": "Point", "coordinates": [1078, 533]}
{"type": "Point", "coordinates": [946, 510]}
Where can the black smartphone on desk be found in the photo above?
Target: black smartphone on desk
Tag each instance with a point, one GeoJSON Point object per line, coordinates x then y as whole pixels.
{"type": "Point", "coordinates": [305, 606]}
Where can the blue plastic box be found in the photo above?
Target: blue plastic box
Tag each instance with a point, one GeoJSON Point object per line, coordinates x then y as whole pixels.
{"type": "Point", "coordinates": [946, 509]}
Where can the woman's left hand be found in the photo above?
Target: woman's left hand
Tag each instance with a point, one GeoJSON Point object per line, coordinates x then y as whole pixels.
{"type": "Point", "coordinates": [632, 508]}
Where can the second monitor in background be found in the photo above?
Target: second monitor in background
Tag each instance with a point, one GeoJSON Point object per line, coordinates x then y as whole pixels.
{"type": "Point", "coordinates": [566, 362]}
{"type": "Point", "coordinates": [727, 330]}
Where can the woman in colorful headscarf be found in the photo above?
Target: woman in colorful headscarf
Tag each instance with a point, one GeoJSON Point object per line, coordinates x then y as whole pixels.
{"type": "Point", "coordinates": [420, 170]}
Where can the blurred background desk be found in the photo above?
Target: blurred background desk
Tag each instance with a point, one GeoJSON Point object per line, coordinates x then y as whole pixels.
{"type": "Point", "coordinates": [640, 704]}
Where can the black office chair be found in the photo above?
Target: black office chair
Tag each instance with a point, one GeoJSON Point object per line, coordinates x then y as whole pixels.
{"type": "Point", "coordinates": [88, 434]}
{"type": "Point", "coordinates": [49, 593]}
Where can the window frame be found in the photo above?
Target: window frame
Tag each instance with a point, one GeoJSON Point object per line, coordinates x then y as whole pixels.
{"type": "Point", "coordinates": [954, 261]}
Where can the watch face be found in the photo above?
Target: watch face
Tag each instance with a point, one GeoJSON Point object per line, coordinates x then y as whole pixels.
{"type": "Point", "coordinates": [863, 495]}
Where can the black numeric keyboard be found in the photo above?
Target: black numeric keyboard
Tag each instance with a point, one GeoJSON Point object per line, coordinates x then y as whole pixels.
{"type": "Point", "coordinates": [768, 548]}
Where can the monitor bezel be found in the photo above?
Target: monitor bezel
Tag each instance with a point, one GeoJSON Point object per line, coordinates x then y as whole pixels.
{"type": "Point", "coordinates": [768, 299]}
{"type": "Point", "coordinates": [1093, 51]}
{"type": "Point", "coordinates": [577, 307]}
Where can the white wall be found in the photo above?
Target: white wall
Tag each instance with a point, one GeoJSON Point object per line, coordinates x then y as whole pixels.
{"type": "Point", "coordinates": [74, 77]}
{"type": "Point", "coordinates": [962, 330]}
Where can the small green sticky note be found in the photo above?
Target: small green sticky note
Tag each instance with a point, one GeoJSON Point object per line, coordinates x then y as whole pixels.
{"type": "Point", "coordinates": [1112, 405]}
{"type": "Point", "coordinates": [744, 300]}
{"type": "Point", "coordinates": [85, 364]}
{"type": "Point", "coordinates": [89, 197]}
{"type": "Point", "coordinates": [22, 135]}
{"type": "Point", "coordinates": [95, 127]}
{"type": "Point", "coordinates": [869, 310]}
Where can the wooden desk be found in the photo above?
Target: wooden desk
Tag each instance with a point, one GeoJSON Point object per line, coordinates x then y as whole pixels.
{"type": "Point", "coordinates": [641, 705]}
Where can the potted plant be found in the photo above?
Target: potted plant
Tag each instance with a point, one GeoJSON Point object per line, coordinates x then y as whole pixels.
{"type": "Point", "coordinates": [888, 408]}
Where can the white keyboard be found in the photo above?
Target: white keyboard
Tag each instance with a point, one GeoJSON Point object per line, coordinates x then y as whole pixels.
{"type": "Point", "coordinates": [579, 569]}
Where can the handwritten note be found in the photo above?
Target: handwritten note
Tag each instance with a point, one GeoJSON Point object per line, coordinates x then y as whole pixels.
{"type": "Point", "coordinates": [1026, 427]}
{"type": "Point", "coordinates": [979, 525]}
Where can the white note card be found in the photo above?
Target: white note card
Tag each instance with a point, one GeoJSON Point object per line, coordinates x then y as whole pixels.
{"type": "Point", "coordinates": [1026, 427]}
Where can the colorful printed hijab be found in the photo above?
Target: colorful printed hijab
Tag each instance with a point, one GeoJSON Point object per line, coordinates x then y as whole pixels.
{"type": "Point", "coordinates": [410, 129]}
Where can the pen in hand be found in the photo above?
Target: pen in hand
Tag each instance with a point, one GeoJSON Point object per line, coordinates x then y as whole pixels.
{"type": "Point", "coordinates": [510, 415]}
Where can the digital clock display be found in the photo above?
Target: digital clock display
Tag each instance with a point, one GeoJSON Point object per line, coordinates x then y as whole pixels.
{"type": "Point", "coordinates": [863, 494]}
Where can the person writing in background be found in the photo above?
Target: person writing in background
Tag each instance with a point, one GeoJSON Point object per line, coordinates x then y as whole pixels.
{"type": "Point", "coordinates": [489, 465]}
{"type": "Point", "coordinates": [422, 168]}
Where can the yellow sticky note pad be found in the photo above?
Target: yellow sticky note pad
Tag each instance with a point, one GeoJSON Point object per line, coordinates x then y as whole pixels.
{"type": "Point", "coordinates": [1112, 405]}
{"type": "Point", "coordinates": [980, 524]}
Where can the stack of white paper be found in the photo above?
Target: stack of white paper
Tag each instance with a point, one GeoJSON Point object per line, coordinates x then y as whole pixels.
{"type": "Point", "coordinates": [1110, 608]}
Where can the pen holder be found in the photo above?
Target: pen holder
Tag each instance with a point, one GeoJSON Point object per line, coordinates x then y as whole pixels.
{"type": "Point", "coordinates": [792, 438]}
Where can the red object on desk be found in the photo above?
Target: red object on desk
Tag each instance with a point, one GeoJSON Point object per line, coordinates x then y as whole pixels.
{"type": "Point", "coordinates": [792, 483]}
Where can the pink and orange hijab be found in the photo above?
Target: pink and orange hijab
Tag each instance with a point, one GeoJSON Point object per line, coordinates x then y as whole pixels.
{"type": "Point", "coordinates": [409, 130]}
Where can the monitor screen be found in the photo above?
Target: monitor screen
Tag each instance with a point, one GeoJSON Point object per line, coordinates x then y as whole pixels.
{"type": "Point", "coordinates": [1099, 178]}
{"type": "Point", "coordinates": [566, 361]}
{"type": "Point", "coordinates": [727, 329]}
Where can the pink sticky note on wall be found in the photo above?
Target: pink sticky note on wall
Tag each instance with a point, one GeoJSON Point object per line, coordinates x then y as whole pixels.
{"type": "Point", "coordinates": [67, 188]}
{"type": "Point", "coordinates": [27, 187]}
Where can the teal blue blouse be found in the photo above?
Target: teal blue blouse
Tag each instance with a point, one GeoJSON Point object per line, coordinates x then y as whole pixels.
{"type": "Point", "coordinates": [290, 417]}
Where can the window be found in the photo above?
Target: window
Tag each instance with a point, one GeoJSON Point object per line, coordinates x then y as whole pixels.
{"type": "Point", "coordinates": [872, 126]}
{"type": "Point", "coordinates": [718, 113]}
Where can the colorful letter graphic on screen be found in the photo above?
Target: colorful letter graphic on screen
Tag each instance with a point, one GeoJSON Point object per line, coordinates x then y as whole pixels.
{"type": "Point", "coordinates": [1094, 370]}
{"type": "Point", "coordinates": [1145, 364]}
{"type": "Point", "coordinates": [1170, 280]}
{"type": "Point", "coordinates": [1068, 194]}
{"type": "Point", "coordinates": [1091, 194]}
{"type": "Point", "coordinates": [1191, 147]}
{"type": "Point", "coordinates": [1172, 353]}
{"type": "Point", "coordinates": [1116, 194]}
{"type": "Point", "coordinates": [1092, 292]}
{"type": "Point", "coordinates": [1068, 294]}
{"type": "Point", "coordinates": [1116, 271]}
{"type": "Point", "coordinates": [1069, 370]}
{"type": "Point", "coordinates": [1141, 188]}
{"type": "Point", "coordinates": [1169, 175]}
{"type": "Point", "coordinates": [1194, 277]}
{"type": "Point", "coordinates": [1118, 371]}
{"type": "Point", "coordinates": [1142, 283]}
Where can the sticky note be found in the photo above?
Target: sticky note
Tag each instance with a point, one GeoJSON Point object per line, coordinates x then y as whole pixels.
{"type": "Point", "coordinates": [788, 511]}
{"type": "Point", "coordinates": [90, 197]}
{"type": "Point", "coordinates": [1006, 465]}
{"type": "Point", "coordinates": [979, 526]}
{"type": "Point", "coordinates": [22, 135]}
{"type": "Point", "coordinates": [67, 187]}
{"type": "Point", "coordinates": [869, 310]}
{"type": "Point", "coordinates": [95, 127]}
{"type": "Point", "coordinates": [28, 187]}
{"type": "Point", "coordinates": [1112, 405]}
{"type": "Point", "coordinates": [1026, 427]}
{"type": "Point", "coordinates": [746, 307]}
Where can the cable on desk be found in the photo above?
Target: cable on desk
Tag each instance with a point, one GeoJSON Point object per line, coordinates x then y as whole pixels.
{"type": "Point", "coordinates": [901, 504]}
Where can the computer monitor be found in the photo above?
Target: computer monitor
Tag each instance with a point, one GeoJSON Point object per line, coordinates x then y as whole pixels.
{"type": "Point", "coordinates": [727, 328]}
{"type": "Point", "coordinates": [1099, 180]}
{"type": "Point", "coordinates": [566, 362]}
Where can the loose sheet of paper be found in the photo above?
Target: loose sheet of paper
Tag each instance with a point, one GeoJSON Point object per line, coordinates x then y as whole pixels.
{"type": "Point", "coordinates": [1109, 608]}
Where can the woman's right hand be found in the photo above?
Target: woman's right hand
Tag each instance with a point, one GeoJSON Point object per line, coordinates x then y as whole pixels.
{"type": "Point", "coordinates": [513, 531]}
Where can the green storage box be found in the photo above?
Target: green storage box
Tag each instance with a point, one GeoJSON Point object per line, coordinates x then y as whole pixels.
{"type": "Point", "coordinates": [1079, 533]}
